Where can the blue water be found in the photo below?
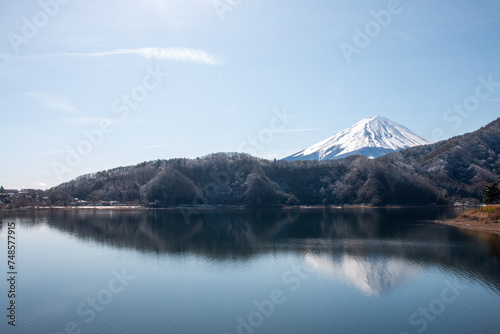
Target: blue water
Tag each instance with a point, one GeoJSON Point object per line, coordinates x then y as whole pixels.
{"type": "Point", "coordinates": [250, 271]}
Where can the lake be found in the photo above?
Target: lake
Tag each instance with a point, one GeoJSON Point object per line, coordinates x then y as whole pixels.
{"type": "Point", "coordinates": [235, 270]}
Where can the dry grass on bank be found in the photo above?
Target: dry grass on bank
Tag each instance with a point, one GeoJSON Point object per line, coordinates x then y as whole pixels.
{"type": "Point", "coordinates": [486, 214]}
{"type": "Point", "coordinates": [485, 219]}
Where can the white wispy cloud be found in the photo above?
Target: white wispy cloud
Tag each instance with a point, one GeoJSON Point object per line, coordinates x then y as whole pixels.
{"type": "Point", "coordinates": [175, 54]}
{"type": "Point", "coordinates": [52, 101]}
{"type": "Point", "coordinates": [151, 147]}
{"type": "Point", "coordinates": [295, 130]}
{"type": "Point", "coordinates": [41, 184]}
{"type": "Point", "coordinates": [90, 120]}
{"type": "Point", "coordinates": [45, 153]}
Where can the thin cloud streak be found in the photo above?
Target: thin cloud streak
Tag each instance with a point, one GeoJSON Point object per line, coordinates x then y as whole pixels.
{"type": "Point", "coordinates": [295, 130]}
{"type": "Point", "coordinates": [151, 147]}
{"type": "Point", "coordinates": [54, 102]}
{"type": "Point", "coordinates": [90, 120]}
{"type": "Point", "coordinates": [174, 54]}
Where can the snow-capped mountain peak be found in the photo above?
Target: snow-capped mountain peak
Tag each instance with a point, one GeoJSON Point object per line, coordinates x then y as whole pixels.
{"type": "Point", "coordinates": [371, 137]}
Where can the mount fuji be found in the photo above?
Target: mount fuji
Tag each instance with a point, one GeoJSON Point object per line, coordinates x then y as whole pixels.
{"type": "Point", "coordinates": [372, 137]}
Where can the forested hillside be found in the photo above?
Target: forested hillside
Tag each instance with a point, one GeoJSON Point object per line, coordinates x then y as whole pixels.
{"type": "Point", "coordinates": [455, 169]}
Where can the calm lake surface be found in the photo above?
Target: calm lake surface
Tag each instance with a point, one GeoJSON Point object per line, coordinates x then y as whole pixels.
{"type": "Point", "coordinates": [250, 271]}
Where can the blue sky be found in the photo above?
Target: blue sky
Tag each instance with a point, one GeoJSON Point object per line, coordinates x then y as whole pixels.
{"type": "Point", "coordinates": [87, 86]}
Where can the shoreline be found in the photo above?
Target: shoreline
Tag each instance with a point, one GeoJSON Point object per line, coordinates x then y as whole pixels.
{"type": "Point", "coordinates": [472, 225]}
{"type": "Point", "coordinates": [483, 219]}
{"type": "Point", "coordinates": [89, 207]}
{"type": "Point", "coordinates": [201, 207]}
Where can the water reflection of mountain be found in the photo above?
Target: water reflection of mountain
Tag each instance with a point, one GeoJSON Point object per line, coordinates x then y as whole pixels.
{"type": "Point", "coordinates": [404, 235]}
{"type": "Point", "coordinates": [372, 275]}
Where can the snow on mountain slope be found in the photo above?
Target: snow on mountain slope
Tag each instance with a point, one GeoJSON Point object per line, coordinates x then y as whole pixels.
{"type": "Point", "coordinates": [371, 137]}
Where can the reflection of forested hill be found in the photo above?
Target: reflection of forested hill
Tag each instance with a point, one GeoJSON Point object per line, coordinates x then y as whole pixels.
{"type": "Point", "coordinates": [453, 169]}
{"type": "Point", "coordinates": [220, 234]}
